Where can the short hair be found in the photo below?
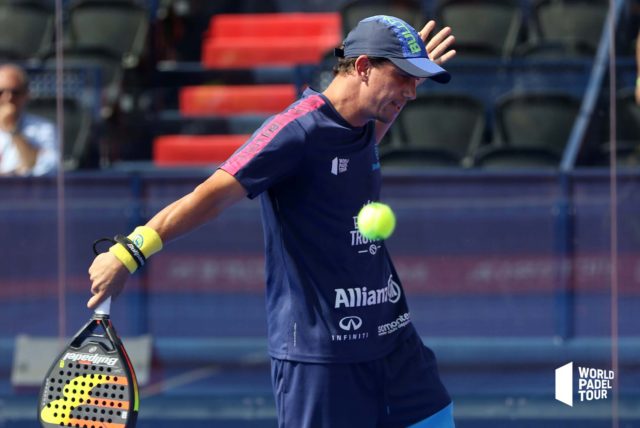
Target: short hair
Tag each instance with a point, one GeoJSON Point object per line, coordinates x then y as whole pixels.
{"type": "Point", "coordinates": [345, 65]}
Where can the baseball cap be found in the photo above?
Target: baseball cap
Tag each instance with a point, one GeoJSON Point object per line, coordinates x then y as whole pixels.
{"type": "Point", "coordinates": [392, 38]}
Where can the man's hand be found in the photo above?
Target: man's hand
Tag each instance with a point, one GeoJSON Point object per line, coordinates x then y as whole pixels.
{"type": "Point", "coordinates": [439, 47]}
{"type": "Point", "coordinates": [108, 276]}
{"type": "Point", "coordinates": [8, 117]}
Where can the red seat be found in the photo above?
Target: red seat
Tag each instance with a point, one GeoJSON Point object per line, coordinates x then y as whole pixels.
{"type": "Point", "coordinates": [248, 53]}
{"type": "Point", "coordinates": [269, 25]}
{"type": "Point", "coordinates": [283, 39]}
{"type": "Point", "coordinates": [183, 150]}
{"type": "Point", "coordinates": [237, 99]}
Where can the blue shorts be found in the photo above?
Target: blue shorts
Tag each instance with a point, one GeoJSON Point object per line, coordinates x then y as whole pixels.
{"type": "Point", "coordinates": [397, 391]}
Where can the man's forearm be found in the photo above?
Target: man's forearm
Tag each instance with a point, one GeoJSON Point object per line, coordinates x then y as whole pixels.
{"type": "Point", "coordinates": [27, 152]}
{"type": "Point", "coordinates": [204, 203]}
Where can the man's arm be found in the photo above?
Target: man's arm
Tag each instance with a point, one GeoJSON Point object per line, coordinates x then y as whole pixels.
{"type": "Point", "coordinates": [439, 51]}
{"type": "Point", "coordinates": [204, 203]}
{"type": "Point", "coordinates": [26, 151]}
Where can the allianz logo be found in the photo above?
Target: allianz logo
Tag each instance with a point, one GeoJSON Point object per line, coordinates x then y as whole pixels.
{"type": "Point", "coordinates": [361, 296]}
{"type": "Point", "coordinates": [351, 323]}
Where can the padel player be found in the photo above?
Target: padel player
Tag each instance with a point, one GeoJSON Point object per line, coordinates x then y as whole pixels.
{"type": "Point", "coordinates": [344, 351]}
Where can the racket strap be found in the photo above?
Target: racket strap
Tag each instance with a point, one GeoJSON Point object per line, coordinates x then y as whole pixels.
{"type": "Point", "coordinates": [125, 250]}
{"type": "Point", "coordinates": [132, 249]}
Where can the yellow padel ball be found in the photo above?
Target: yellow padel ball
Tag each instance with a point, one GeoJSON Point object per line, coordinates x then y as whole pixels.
{"type": "Point", "coordinates": [376, 221]}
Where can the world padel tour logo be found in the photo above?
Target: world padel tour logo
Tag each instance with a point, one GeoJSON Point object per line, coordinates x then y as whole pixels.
{"type": "Point", "coordinates": [592, 384]}
{"type": "Point", "coordinates": [338, 165]}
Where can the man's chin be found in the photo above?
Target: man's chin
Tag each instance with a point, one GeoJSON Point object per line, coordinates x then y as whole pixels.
{"type": "Point", "coordinates": [387, 118]}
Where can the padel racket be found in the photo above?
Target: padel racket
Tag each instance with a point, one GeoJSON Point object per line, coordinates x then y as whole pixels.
{"type": "Point", "coordinates": [92, 383]}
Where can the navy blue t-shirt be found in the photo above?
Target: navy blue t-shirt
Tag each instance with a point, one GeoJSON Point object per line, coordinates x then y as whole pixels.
{"type": "Point", "coordinates": [332, 295]}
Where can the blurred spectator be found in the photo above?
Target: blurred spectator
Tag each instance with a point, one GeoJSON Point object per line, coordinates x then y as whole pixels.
{"type": "Point", "coordinates": [28, 143]}
{"type": "Point", "coordinates": [638, 67]}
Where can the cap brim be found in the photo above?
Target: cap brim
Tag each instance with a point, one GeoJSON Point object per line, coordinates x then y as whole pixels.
{"type": "Point", "coordinates": [422, 67]}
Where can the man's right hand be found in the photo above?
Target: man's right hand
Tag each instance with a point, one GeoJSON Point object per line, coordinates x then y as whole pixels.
{"type": "Point", "coordinates": [8, 117]}
{"type": "Point", "coordinates": [107, 275]}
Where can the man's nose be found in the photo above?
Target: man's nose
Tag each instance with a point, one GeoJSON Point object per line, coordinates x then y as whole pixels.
{"type": "Point", "coordinates": [410, 90]}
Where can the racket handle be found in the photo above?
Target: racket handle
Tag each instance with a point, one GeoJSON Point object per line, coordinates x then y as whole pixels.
{"type": "Point", "coordinates": [104, 308]}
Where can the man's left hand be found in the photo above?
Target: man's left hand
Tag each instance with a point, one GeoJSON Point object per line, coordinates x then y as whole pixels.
{"type": "Point", "coordinates": [439, 47]}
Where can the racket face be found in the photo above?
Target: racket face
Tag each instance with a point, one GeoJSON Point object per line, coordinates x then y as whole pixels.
{"type": "Point", "coordinates": [91, 384]}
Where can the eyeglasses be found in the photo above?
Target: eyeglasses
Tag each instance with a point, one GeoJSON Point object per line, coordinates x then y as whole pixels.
{"type": "Point", "coordinates": [13, 92]}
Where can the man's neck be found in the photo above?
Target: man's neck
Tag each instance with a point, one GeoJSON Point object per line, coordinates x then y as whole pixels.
{"type": "Point", "coordinates": [344, 96]}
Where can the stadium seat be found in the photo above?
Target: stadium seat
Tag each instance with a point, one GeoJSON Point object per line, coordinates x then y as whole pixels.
{"type": "Point", "coordinates": [483, 28]}
{"type": "Point", "coordinates": [418, 158]}
{"type": "Point", "coordinates": [185, 150]}
{"type": "Point", "coordinates": [472, 50]}
{"type": "Point", "coordinates": [26, 30]}
{"type": "Point", "coordinates": [628, 117]}
{"type": "Point", "coordinates": [104, 66]}
{"type": "Point", "coordinates": [283, 39]}
{"type": "Point", "coordinates": [500, 158]}
{"type": "Point", "coordinates": [627, 132]}
{"type": "Point", "coordinates": [117, 26]}
{"type": "Point", "coordinates": [251, 53]}
{"type": "Point", "coordinates": [77, 130]}
{"type": "Point", "coordinates": [447, 122]}
{"type": "Point", "coordinates": [268, 26]}
{"type": "Point", "coordinates": [322, 73]}
{"type": "Point", "coordinates": [354, 11]}
{"type": "Point", "coordinates": [570, 21]}
{"type": "Point", "coordinates": [554, 50]}
{"type": "Point", "coordinates": [236, 99]}
{"type": "Point", "coordinates": [535, 119]}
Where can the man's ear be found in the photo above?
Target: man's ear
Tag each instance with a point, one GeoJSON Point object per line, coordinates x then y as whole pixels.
{"type": "Point", "coordinates": [362, 66]}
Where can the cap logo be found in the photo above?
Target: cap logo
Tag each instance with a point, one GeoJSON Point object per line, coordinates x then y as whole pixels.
{"type": "Point", "coordinates": [413, 45]}
{"type": "Point", "coordinates": [405, 32]}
